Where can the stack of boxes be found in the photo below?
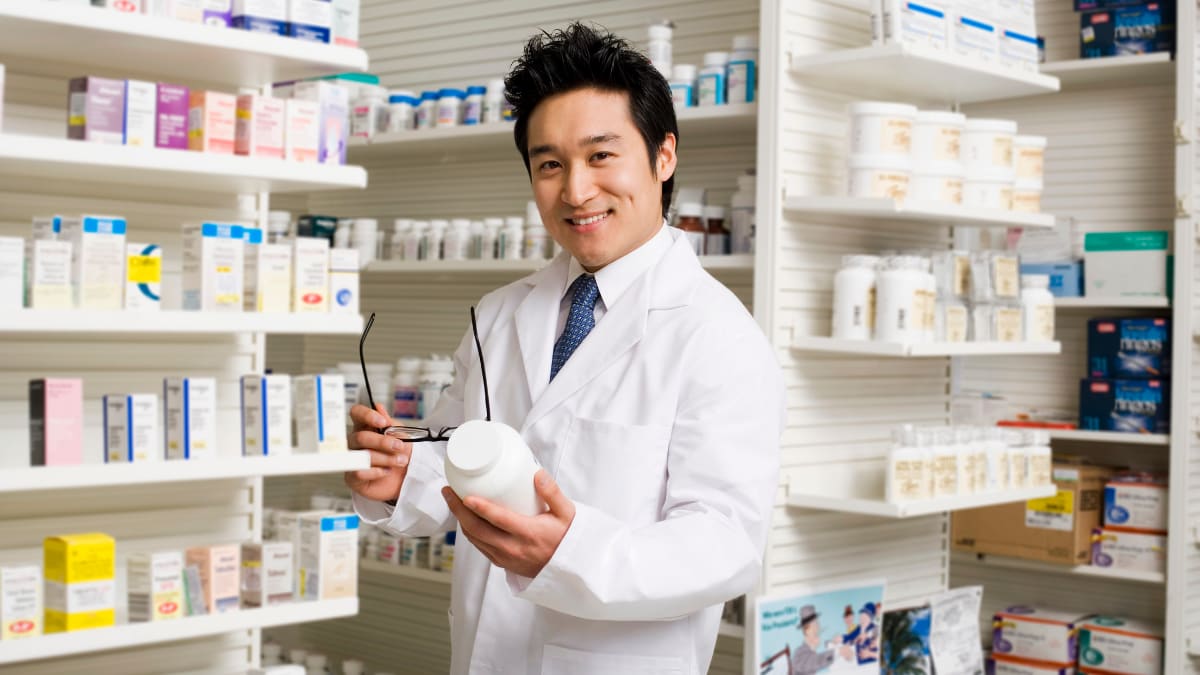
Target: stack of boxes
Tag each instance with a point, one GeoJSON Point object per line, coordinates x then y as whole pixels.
{"type": "Point", "coordinates": [1033, 641]}
{"type": "Point", "coordinates": [325, 21]}
{"type": "Point", "coordinates": [1134, 534]}
{"type": "Point", "coordinates": [1125, 27]}
{"type": "Point", "coordinates": [1129, 368]}
{"type": "Point", "coordinates": [979, 31]}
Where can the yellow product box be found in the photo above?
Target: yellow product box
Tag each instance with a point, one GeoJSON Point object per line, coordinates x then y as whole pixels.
{"type": "Point", "coordinates": [80, 581]}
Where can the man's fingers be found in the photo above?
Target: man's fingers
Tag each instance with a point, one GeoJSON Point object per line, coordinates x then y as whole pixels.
{"type": "Point", "coordinates": [364, 417]}
{"type": "Point", "coordinates": [547, 488]}
{"type": "Point", "coordinates": [374, 473]}
{"type": "Point", "coordinates": [502, 518]}
{"type": "Point", "coordinates": [370, 440]}
{"type": "Point", "coordinates": [468, 519]}
{"type": "Point", "coordinates": [387, 460]}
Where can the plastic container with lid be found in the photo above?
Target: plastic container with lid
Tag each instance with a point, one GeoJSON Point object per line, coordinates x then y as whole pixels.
{"type": "Point", "coordinates": [937, 137]}
{"type": "Point", "coordinates": [1027, 196]}
{"type": "Point", "coordinates": [279, 224]}
{"type": "Point", "coordinates": [988, 144]}
{"type": "Point", "coordinates": [406, 389]}
{"type": "Point", "coordinates": [683, 85]}
{"type": "Point", "coordinates": [472, 112]}
{"type": "Point", "coordinates": [402, 110]}
{"type": "Point", "coordinates": [743, 215]}
{"type": "Point", "coordinates": [493, 102]}
{"type": "Point", "coordinates": [854, 298]}
{"type": "Point", "coordinates": [880, 176]}
{"type": "Point", "coordinates": [659, 47]}
{"type": "Point", "coordinates": [475, 247]}
{"type": "Point", "coordinates": [491, 236]}
{"type": "Point", "coordinates": [272, 654]}
{"type": "Point", "coordinates": [316, 664]}
{"type": "Point", "coordinates": [741, 73]}
{"type": "Point", "coordinates": [937, 183]}
{"type": "Point", "coordinates": [716, 242]}
{"type": "Point", "coordinates": [900, 311]}
{"type": "Point", "coordinates": [457, 240]}
{"type": "Point", "coordinates": [952, 323]}
{"type": "Point", "coordinates": [426, 115]}
{"type": "Point", "coordinates": [342, 234]}
{"type": "Point", "coordinates": [1037, 308]}
{"type": "Point", "coordinates": [437, 373]}
{"type": "Point", "coordinates": [711, 81]}
{"type": "Point", "coordinates": [401, 227]}
{"type": "Point", "coordinates": [537, 242]}
{"type": "Point", "coordinates": [691, 223]}
{"type": "Point", "coordinates": [415, 242]}
{"type": "Point", "coordinates": [491, 460]}
{"type": "Point", "coordinates": [988, 189]}
{"type": "Point", "coordinates": [1040, 463]}
{"type": "Point", "coordinates": [366, 239]}
{"type": "Point", "coordinates": [435, 238]}
{"type": "Point", "coordinates": [353, 667]}
{"type": "Point", "coordinates": [297, 656]}
{"type": "Point", "coordinates": [512, 239]}
{"type": "Point", "coordinates": [908, 471]}
{"type": "Point", "coordinates": [1029, 158]}
{"type": "Point", "coordinates": [881, 129]}
{"type": "Point", "coordinates": [450, 107]}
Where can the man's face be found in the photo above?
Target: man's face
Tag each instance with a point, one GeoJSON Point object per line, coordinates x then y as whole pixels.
{"type": "Point", "coordinates": [812, 632]}
{"type": "Point", "coordinates": [591, 175]}
{"type": "Point", "coordinates": [849, 620]}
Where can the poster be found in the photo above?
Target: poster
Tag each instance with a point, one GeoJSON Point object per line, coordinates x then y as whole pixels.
{"type": "Point", "coordinates": [820, 630]}
{"type": "Point", "coordinates": [906, 636]}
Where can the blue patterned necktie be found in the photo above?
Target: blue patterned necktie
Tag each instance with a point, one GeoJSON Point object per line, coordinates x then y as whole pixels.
{"type": "Point", "coordinates": [580, 321]}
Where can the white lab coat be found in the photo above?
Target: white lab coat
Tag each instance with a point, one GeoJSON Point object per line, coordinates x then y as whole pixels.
{"type": "Point", "coordinates": [663, 428]}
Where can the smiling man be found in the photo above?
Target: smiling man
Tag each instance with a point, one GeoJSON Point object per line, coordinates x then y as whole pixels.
{"type": "Point", "coordinates": [645, 390]}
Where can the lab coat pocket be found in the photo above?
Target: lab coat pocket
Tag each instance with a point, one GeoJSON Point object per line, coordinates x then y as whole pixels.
{"type": "Point", "coordinates": [618, 468]}
{"type": "Point", "coordinates": [563, 661]}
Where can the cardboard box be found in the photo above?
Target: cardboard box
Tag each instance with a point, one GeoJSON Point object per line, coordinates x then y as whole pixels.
{"type": "Point", "coordinates": [12, 273]}
{"type": "Point", "coordinates": [328, 556]}
{"type": "Point", "coordinates": [1110, 645]}
{"type": "Point", "coordinates": [1066, 278]}
{"type": "Point", "coordinates": [345, 23]}
{"type": "Point", "coordinates": [80, 574]}
{"type": "Point", "coordinates": [50, 284]}
{"type": "Point", "coordinates": [1136, 503]}
{"type": "Point", "coordinates": [1124, 264]}
{"type": "Point", "coordinates": [320, 413]}
{"type": "Point", "coordinates": [261, 121]}
{"type": "Point", "coordinates": [212, 122]}
{"type": "Point", "coordinates": [343, 281]}
{"type": "Point", "coordinates": [154, 583]}
{"type": "Point", "coordinates": [220, 576]}
{"type": "Point", "coordinates": [1129, 348]}
{"type": "Point", "coordinates": [96, 110]}
{"type": "Point", "coordinates": [260, 16]}
{"type": "Point", "coordinates": [171, 116]}
{"type": "Point", "coordinates": [334, 124]}
{"type": "Point", "coordinates": [1056, 529]}
{"type": "Point", "coordinates": [1144, 28]}
{"type": "Point", "coordinates": [1133, 551]}
{"type": "Point", "coordinates": [268, 274]}
{"type": "Point", "coordinates": [310, 265]}
{"type": "Point", "coordinates": [218, 13]}
{"type": "Point", "coordinates": [213, 267]}
{"type": "Point", "coordinates": [1126, 406]}
{"type": "Point", "coordinates": [141, 104]}
{"type": "Point", "coordinates": [999, 664]}
{"type": "Point", "coordinates": [131, 428]}
{"type": "Point", "coordinates": [268, 573]}
{"type": "Point", "coordinates": [55, 422]}
{"type": "Point", "coordinates": [310, 20]}
{"type": "Point", "coordinates": [143, 277]}
{"type": "Point", "coordinates": [266, 415]}
{"type": "Point", "coordinates": [20, 602]}
{"type": "Point", "coordinates": [190, 414]}
{"type": "Point", "coordinates": [1036, 634]}
{"type": "Point", "coordinates": [303, 135]}
{"type": "Point", "coordinates": [97, 260]}
{"type": "Point", "coordinates": [287, 528]}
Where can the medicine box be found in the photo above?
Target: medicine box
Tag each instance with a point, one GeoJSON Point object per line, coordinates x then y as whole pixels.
{"type": "Point", "coordinates": [1037, 634]}
{"type": "Point", "coordinates": [1055, 529]}
{"type": "Point", "coordinates": [154, 584]}
{"type": "Point", "coordinates": [345, 23]}
{"type": "Point", "coordinates": [343, 281]}
{"type": "Point", "coordinates": [143, 277]}
{"type": "Point", "coordinates": [98, 260]}
{"type": "Point", "coordinates": [212, 122]}
{"type": "Point", "coordinates": [1084, 5]}
{"type": "Point", "coordinates": [310, 265]}
{"type": "Point", "coordinates": [260, 16]}
{"type": "Point", "coordinates": [218, 13]}
{"type": "Point", "coordinates": [220, 575]}
{"type": "Point", "coordinates": [1112, 645]}
{"type": "Point", "coordinates": [141, 104]}
{"type": "Point", "coordinates": [47, 227]}
{"type": "Point", "coordinates": [268, 274]}
{"type": "Point", "coordinates": [1127, 406]}
{"type": "Point", "coordinates": [328, 556]}
{"type": "Point", "coordinates": [1144, 28]}
{"type": "Point", "coordinates": [1129, 348]}
{"type": "Point", "coordinates": [171, 116]}
{"type": "Point", "coordinates": [1066, 279]}
{"type": "Point", "coordinates": [188, 11]}
{"type": "Point", "coordinates": [12, 273]}
{"type": "Point", "coordinates": [974, 34]}
{"type": "Point", "coordinates": [96, 110]}
{"type": "Point", "coordinates": [303, 119]}
{"type": "Point", "coordinates": [1122, 264]}
{"type": "Point", "coordinates": [1134, 551]}
{"type": "Point", "coordinates": [190, 417]}
{"type": "Point", "coordinates": [999, 664]}
{"type": "Point", "coordinates": [925, 22]}
{"type": "Point", "coordinates": [334, 120]}
{"type": "Point", "coordinates": [80, 572]}
{"type": "Point", "coordinates": [1136, 503]}
{"type": "Point", "coordinates": [50, 284]}
{"type": "Point", "coordinates": [268, 573]}
{"type": "Point", "coordinates": [320, 413]}
{"type": "Point", "coordinates": [21, 612]}
{"type": "Point", "coordinates": [131, 428]}
{"type": "Point", "coordinates": [310, 19]}
{"type": "Point", "coordinates": [266, 415]}
{"type": "Point", "coordinates": [213, 267]}
{"type": "Point", "coordinates": [56, 422]}
{"type": "Point", "coordinates": [287, 528]}
{"type": "Point", "coordinates": [261, 121]}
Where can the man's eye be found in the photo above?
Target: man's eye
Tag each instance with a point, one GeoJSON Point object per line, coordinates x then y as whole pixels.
{"type": "Point", "coordinates": [602, 155]}
{"type": "Point", "coordinates": [549, 165]}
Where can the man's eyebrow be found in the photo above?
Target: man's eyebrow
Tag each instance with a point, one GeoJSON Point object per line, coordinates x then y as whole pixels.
{"type": "Point", "coordinates": [598, 139]}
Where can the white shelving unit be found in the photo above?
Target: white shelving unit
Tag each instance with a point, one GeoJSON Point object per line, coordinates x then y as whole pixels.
{"type": "Point", "coordinates": [885, 509]}
{"type": "Point", "coordinates": [177, 322]}
{"type": "Point", "coordinates": [1157, 68]}
{"type": "Point", "coordinates": [1133, 576]}
{"type": "Point", "coordinates": [146, 634]}
{"type": "Point", "coordinates": [1109, 437]}
{"type": "Point", "coordinates": [710, 262]}
{"type": "Point", "coordinates": [828, 345]}
{"type": "Point", "coordinates": [1112, 303]}
{"type": "Point", "coordinates": [915, 212]}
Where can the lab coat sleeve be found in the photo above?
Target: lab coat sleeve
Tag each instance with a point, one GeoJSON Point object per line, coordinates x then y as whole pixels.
{"type": "Point", "coordinates": [723, 469]}
{"type": "Point", "coordinates": [421, 510]}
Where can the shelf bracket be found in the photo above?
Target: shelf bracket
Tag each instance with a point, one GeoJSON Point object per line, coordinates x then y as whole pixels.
{"type": "Point", "coordinates": [1183, 206]}
{"type": "Point", "coordinates": [1181, 135]}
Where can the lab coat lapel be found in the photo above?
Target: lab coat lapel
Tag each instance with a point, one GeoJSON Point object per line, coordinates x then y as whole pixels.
{"type": "Point", "coordinates": [536, 319]}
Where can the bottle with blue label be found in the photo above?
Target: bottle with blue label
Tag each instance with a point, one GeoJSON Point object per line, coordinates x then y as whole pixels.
{"type": "Point", "coordinates": [683, 85]}
{"type": "Point", "coordinates": [742, 71]}
{"type": "Point", "coordinates": [711, 83]}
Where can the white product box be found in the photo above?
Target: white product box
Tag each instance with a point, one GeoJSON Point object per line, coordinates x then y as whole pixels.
{"type": "Point", "coordinates": [261, 121]}
{"type": "Point", "coordinates": [268, 274]}
{"type": "Point", "coordinates": [973, 32]}
{"type": "Point", "coordinates": [220, 574]}
{"type": "Point", "coordinates": [154, 583]}
{"type": "Point", "coordinates": [261, 16]}
{"type": "Point", "coordinates": [1129, 550]}
{"type": "Point", "coordinates": [343, 281]}
{"type": "Point", "coordinates": [310, 19]}
{"type": "Point", "coordinates": [141, 109]}
{"type": "Point", "coordinates": [303, 135]}
{"type": "Point", "coordinates": [213, 267]}
{"type": "Point", "coordinates": [131, 428]}
{"type": "Point", "coordinates": [328, 556]}
{"type": "Point", "coordinates": [1111, 645]}
{"type": "Point", "coordinates": [923, 23]}
{"type": "Point", "coordinates": [189, 11]}
{"type": "Point", "coordinates": [125, 6]}
{"type": "Point", "coordinates": [12, 273]}
{"type": "Point", "coordinates": [310, 264]}
{"type": "Point", "coordinates": [345, 22]}
{"type": "Point", "coordinates": [20, 602]}
{"type": "Point", "coordinates": [268, 573]}
{"type": "Point", "coordinates": [1018, 50]}
{"type": "Point", "coordinates": [1038, 634]}
{"type": "Point", "coordinates": [320, 413]}
{"type": "Point", "coordinates": [1000, 664]}
{"type": "Point", "coordinates": [47, 227]}
{"type": "Point", "coordinates": [266, 415]}
{"type": "Point", "coordinates": [334, 117]}
{"type": "Point", "coordinates": [190, 405]}
{"type": "Point", "coordinates": [50, 276]}
{"type": "Point", "coordinates": [98, 260]}
{"type": "Point", "coordinates": [1121, 264]}
{"type": "Point", "coordinates": [287, 528]}
{"type": "Point", "coordinates": [1136, 506]}
{"type": "Point", "coordinates": [1020, 15]}
{"type": "Point", "coordinates": [143, 277]}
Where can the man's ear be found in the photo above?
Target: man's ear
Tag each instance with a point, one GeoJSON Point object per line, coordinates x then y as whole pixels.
{"type": "Point", "coordinates": [667, 159]}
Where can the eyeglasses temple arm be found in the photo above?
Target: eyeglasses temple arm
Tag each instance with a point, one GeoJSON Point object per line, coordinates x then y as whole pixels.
{"type": "Point", "coordinates": [362, 360]}
{"type": "Point", "coordinates": [487, 399]}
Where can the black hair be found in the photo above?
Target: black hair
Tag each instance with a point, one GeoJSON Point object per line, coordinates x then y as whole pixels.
{"type": "Point", "coordinates": [579, 57]}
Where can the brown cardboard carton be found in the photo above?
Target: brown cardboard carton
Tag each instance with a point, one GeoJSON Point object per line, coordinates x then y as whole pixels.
{"type": "Point", "coordinates": [1057, 529]}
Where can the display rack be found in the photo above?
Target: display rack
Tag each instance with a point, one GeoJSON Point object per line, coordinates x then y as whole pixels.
{"type": "Point", "coordinates": [177, 322]}
{"type": "Point", "coordinates": [830, 345]}
{"type": "Point", "coordinates": [525, 266]}
{"type": "Point", "coordinates": [1113, 71]}
{"type": "Point", "coordinates": [1112, 303]}
{"type": "Point", "coordinates": [885, 509]}
{"type": "Point", "coordinates": [938, 215]}
{"type": "Point", "coordinates": [1131, 576]}
{"type": "Point", "coordinates": [1109, 437]}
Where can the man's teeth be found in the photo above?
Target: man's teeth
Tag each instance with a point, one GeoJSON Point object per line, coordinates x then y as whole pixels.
{"type": "Point", "coordinates": [589, 221]}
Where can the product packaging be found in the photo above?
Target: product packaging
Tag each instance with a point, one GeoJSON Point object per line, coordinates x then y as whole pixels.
{"type": "Point", "coordinates": [266, 415]}
{"type": "Point", "coordinates": [260, 16]}
{"type": "Point", "coordinates": [310, 19]}
{"type": "Point", "coordinates": [1133, 551]}
{"type": "Point", "coordinates": [171, 118]}
{"type": "Point", "coordinates": [1129, 348]}
{"type": "Point", "coordinates": [1143, 28]}
{"type": "Point", "coordinates": [310, 265]}
{"type": "Point", "coordinates": [334, 124]}
{"type": "Point", "coordinates": [1127, 406]}
{"type": "Point", "coordinates": [97, 110]}
{"type": "Point", "coordinates": [303, 119]}
{"type": "Point", "coordinates": [320, 413]}
{"type": "Point", "coordinates": [1066, 278]}
{"type": "Point", "coordinates": [50, 275]}
{"type": "Point", "coordinates": [1113, 645]}
{"type": "Point", "coordinates": [154, 584]}
{"type": "Point", "coordinates": [268, 274]}
{"type": "Point", "coordinates": [131, 428]}
{"type": "Point", "coordinates": [140, 108]}
{"type": "Point", "coordinates": [268, 573]}
{"type": "Point", "coordinates": [190, 405]}
{"type": "Point", "coordinates": [343, 281]}
{"type": "Point", "coordinates": [261, 122]}
{"type": "Point", "coordinates": [213, 267]}
{"type": "Point", "coordinates": [81, 589]}
{"type": "Point", "coordinates": [21, 611]}
{"type": "Point", "coordinates": [55, 422]}
{"type": "Point", "coordinates": [1136, 502]}
{"type": "Point", "coordinates": [97, 260]}
{"type": "Point", "coordinates": [143, 277]}
{"type": "Point", "coordinates": [1036, 634]}
{"type": "Point", "coordinates": [1123, 264]}
{"type": "Point", "coordinates": [328, 557]}
{"type": "Point", "coordinates": [12, 273]}
{"type": "Point", "coordinates": [212, 122]}
{"type": "Point", "coordinates": [220, 575]}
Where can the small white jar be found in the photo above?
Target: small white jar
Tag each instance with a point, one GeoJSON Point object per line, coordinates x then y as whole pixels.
{"type": "Point", "coordinates": [401, 227]}
{"type": "Point", "coordinates": [854, 298]}
{"type": "Point", "coordinates": [366, 239]}
{"type": "Point", "coordinates": [493, 102]}
{"type": "Point", "coordinates": [1040, 469]}
{"type": "Point", "coordinates": [937, 183]}
{"type": "Point", "coordinates": [415, 242]}
{"type": "Point", "coordinates": [402, 110]}
{"type": "Point", "coordinates": [683, 85]}
{"type": "Point", "coordinates": [472, 112]}
{"type": "Point", "coordinates": [426, 114]}
{"type": "Point", "coordinates": [937, 136]}
{"type": "Point", "coordinates": [711, 81]}
{"type": "Point", "coordinates": [491, 460]}
{"type": "Point", "coordinates": [900, 310]}
{"type": "Point", "coordinates": [1029, 158]}
{"type": "Point", "coordinates": [491, 236]}
{"type": "Point", "coordinates": [512, 238]}
{"type": "Point", "coordinates": [659, 47]}
{"type": "Point", "coordinates": [457, 240]}
{"type": "Point", "coordinates": [436, 238]}
{"type": "Point", "coordinates": [989, 189]}
{"type": "Point", "coordinates": [450, 107]}
{"type": "Point", "coordinates": [537, 242]}
{"type": "Point", "coordinates": [741, 73]}
{"type": "Point", "coordinates": [879, 129]}
{"type": "Point", "coordinates": [1037, 308]}
{"type": "Point", "coordinates": [988, 144]}
{"type": "Point", "coordinates": [880, 176]}
{"type": "Point", "coordinates": [1027, 196]}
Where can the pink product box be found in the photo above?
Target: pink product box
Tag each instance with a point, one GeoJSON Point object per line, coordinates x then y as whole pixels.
{"type": "Point", "coordinates": [260, 126]}
{"type": "Point", "coordinates": [55, 422]}
{"type": "Point", "coordinates": [96, 110]}
{"type": "Point", "coordinates": [171, 117]}
{"type": "Point", "coordinates": [334, 130]}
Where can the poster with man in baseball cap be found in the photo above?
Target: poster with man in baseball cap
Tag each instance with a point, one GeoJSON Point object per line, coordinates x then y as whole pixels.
{"type": "Point", "coordinates": [801, 633]}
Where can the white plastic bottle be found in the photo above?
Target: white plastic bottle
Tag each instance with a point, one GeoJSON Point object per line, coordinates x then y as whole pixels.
{"type": "Point", "coordinates": [929, 300]}
{"type": "Point", "coordinates": [742, 215]}
{"type": "Point", "coordinates": [966, 461]}
{"type": "Point", "coordinates": [426, 115]}
{"type": "Point", "coordinates": [435, 238]}
{"type": "Point", "coordinates": [659, 48]}
{"type": "Point", "coordinates": [342, 233]}
{"type": "Point", "coordinates": [437, 373]}
{"type": "Point", "coordinates": [491, 235]}
{"type": "Point", "coordinates": [316, 664]}
{"type": "Point", "coordinates": [493, 102]}
{"type": "Point", "coordinates": [406, 389]}
{"type": "Point", "coordinates": [272, 654]}
{"type": "Point", "coordinates": [1040, 470]}
{"type": "Point", "coordinates": [278, 226]}
{"type": "Point", "coordinates": [854, 298]}
{"type": "Point", "coordinates": [473, 107]}
{"type": "Point", "coordinates": [450, 105]}
{"type": "Point", "coordinates": [683, 85]}
{"type": "Point", "coordinates": [512, 239]}
{"type": "Point", "coordinates": [998, 465]}
{"type": "Point", "coordinates": [945, 463]}
{"type": "Point", "coordinates": [366, 239]}
{"type": "Point", "coordinates": [475, 245]}
{"type": "Point", "coordinates": [900, 289]}
{"type": "Point", "coordinates": [711, 81]}
{"type": "Point", "coordinates": [457, 240]}
{"type": "Point", "coordinates": [537, 242]}
{"type": "Point", "coordinates": [907, 468]}
{"type": "Point", "coordinates": [1017, 460]}
{"type": "Point", "coordinates": [1037, 308]}
{"type": "Point", "coordinates": [353, 667]}
{"type": "Point", "coordinates": [742, 70]}
{"type": "Point", "coordinates": [401, 227]}
{"type": "Point", "coordinates": [415, 242]}
{"type": "Point", "coordinates": [492, 461]}
{"type": "Point", "coordinates": [297, 656]}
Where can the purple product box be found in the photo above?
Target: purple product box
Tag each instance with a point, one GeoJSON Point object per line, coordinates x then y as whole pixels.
{"type": "Point", "coordinates": [171, 117]}
{"type": "Point", "coordinates": [96, 110]}
{"type": "Point", "coordinates": [218, 13]}
{"type": "Point", "coordinates": [335, 117]}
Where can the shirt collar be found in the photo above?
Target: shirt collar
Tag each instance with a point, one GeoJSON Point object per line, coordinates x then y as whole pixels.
{"type": "Point", "coordinates": [616, 277]}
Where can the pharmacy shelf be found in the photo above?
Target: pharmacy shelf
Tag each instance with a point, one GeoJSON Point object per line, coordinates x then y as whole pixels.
{"type": "Point", "coordinates": [732, 630]}
{"type": "Point", "coordinates": [1113, 303]}
{"type": "Point", "coordinates": [830, 345]}
{"type": "Point", "coordinates": [917, 74]}
{"type": "Point", "coordinates": [177, 322]}
{"type": "Point", "coordinates": [136, 169]}
{"type": "Point", "coordinates": [1109, 437]}
{"type": "Point", "coordinates": [710, 262]}
{"type": "Point", "coordinates": [145, 634]}
{"type": "Point", "coordinates": [724, 120]}
{"type": "Point", "coordinates": [883, 209]}
{"type": "Point", "coordinates": [1052, 568]}
{"type": "Point", "coordinates": [405, 571]}
{"type": "Point", "coordinates": [155, 473]}
{"type": "Point", "coordinates": [884, 509]}
{"type": "Point", "coordinates": [56, 38]}
{"type": "Point", "coordinates": [1113, 70]}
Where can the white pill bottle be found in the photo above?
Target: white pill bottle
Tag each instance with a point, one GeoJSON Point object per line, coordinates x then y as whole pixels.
{"type": "Point", "coordinates": [491, 460]}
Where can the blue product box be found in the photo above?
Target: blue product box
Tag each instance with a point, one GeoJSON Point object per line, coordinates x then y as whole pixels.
{"type": "Point", "coordinates": [1089, 5]}
{"type": "Point", "coordinates": [1127, 406]}
{"type": "Point", "coordinates": [1066, 278]}
{"type": "Point", "coordinates": [1132, 349]}
{"type": "Point", "coordinates": [1140, 29]}
{"type": "Point", "coordinates": [256, 24]}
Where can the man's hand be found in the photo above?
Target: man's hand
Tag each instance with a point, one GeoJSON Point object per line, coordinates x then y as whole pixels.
{"type": "Point", "coordinates": [389, 455]}
{"type": "Point", "coordinates": [517, 543]}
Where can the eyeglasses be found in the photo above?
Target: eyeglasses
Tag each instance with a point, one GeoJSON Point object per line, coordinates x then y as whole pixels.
{"type": "Point", "coordinates": [413, 434]}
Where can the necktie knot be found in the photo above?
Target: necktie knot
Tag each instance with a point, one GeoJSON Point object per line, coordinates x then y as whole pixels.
{"type": "Point", "coordinates": [580, 321]}
{"type": "Point", "coordinates": [585, 291]}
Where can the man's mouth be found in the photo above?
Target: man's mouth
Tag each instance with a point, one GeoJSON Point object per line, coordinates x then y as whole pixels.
{"type": "Point", "coordinates": [589, 220]}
